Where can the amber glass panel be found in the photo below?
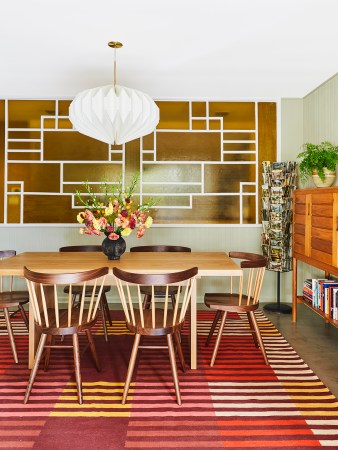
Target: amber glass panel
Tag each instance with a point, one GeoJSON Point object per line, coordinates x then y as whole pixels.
{"type": "Point", "coordinates": [49, 209]}
{"type": "Point", "coordinates": [199, 124]}
{"type": "Point", "coordinates": [148, 156]}
{"type": "Point", "coordinates": [116, 156]}
{"type": "Point", "coordinates": [13, 208]}
{"type": "Point", "coordinates": [248, 188]}
{"type": "Point", "coordinates": [239, 136]}
{"type": "Point", "coordinates": [2, 158]}
{"type": "Point", "coordinates": [24, 145]}
{"type": "Point", "coordinates": [24, 156]}
{"type": "Point", "coordinates": [241, 146]}
{"type": "Point", "coordinates": [226, 178]}
{"type": "Point", "coordinates": [171, 201]}
{"type": "Point", "coordinates": [216, 209]}
{"type": "Point", "coordinates": [14, 188]}
{"type": "Point", "coordinates": [95, 187]}
{"type": "Point", "coordinates": [191, 146]}
{"type": "Point", "coordinates": [148, 142]}
{"type": "Point", "coordinates": [236, 115]}
{"type": "Point", "coordinates": [64, 107]}
{"type": "Point", "coordinates": [171, 188]}
{"type": "Point", "coordinates": [49, 123]}
{"type": "Point", "coordinates": [37, 177]}
{"type": "Point", "coordinates": [69, 145]}
{"type": "Point", "coordinates": [91, 172]}
{"type": "Point", "coordinates": [27, 113]}
{"type": "Point", "coordinates": [267, 137]}
{"type": "Point", "coordinates": [249, 209]}
{"type": "Point", "coordinates": [199, 109]}
{"type": "Point", "coordinates": [173, 115]}
{"type": "Point", "coordinates": [132, 158]}
{"type": "Point", "coordinates": [239, 157]}
{"type": "Point", "coordinates": [64, 124]}
{"type": "Point", "coordinates": [24, 134]}
{"type": "Point", "coordinates": [171, 173]}
{"type": "Point", "coordinates": [215, 124]}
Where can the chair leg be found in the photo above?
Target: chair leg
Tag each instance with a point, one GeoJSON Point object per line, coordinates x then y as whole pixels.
{"type": "Point", "coordinates": [76, 351]}
{"type": "Point", "coordinates": [131, 367]}
{"type": "Point", "coordinates": [218, 339]}
{"type": "Point", "coordinates": [259, 337]}
{"type": "Point", "coordinates": [253, 332]}
{"type": "Point", "coordinates": [38, 357]}
{"type": "Point", "coordinates": [23, 315]}
{"type": "Point", "coordinates": [103, 317]}
{"type": "Point", "coordinates": [93, 350]}
{"type": "Point", "coordinates": [146, 301]}
{"type": "Point", "coordinates": [10, 334]}
{"type": "Point", "coordinates": [213, 326]}
{"type": "Point", "coordinates": [50, 341]}
{"type": "Point", "coordinates": [179, 350]}
{"type": "Point", "coordinates": [174, 368]}
{"type": "Point", "coordinates": [107, 310]}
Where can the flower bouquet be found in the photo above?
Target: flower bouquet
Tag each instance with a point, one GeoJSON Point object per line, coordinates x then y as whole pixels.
{"type": "Point", "coordinates": [113, 213]}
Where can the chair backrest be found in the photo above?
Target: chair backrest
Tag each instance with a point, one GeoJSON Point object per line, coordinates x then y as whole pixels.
{"type": "Point", "coordinates": [160, 248]}
{"type": "Point", "coordinates": [129, 288]}
{"type": "Point", "coordinates": [81, 248]}
{"type": "Point", "coordinates": [47, 301]}
{"type": "Point", "coordinates": [250, 283]}
{"type": "Point", "coordinates": [9, 279]}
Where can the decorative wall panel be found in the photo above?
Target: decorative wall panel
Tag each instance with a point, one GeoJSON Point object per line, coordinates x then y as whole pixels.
{"type": "Point", "coordinates": [202, 161]}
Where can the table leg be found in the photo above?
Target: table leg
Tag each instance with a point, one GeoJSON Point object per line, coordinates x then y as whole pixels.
{"type": "Point", "coordinates": [193, 327]}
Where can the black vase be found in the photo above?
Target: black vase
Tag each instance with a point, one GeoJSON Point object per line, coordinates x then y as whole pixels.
{"type": "Point", "coordinates": [114, 249]}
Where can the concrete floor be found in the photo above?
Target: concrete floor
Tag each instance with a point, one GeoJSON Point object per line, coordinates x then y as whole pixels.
{"type": "Point", "coordinates": [314, 340]}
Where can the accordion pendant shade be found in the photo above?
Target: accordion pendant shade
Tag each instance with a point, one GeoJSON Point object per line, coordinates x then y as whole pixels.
{"type": "Point", "coordinates": [114, 114]}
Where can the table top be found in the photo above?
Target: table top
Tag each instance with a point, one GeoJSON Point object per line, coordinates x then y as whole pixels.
{"type": "Point", "coordinates": [208, 263]}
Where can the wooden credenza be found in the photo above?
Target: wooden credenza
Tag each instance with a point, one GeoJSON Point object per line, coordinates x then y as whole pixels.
{"type": "Point", "coordinates": [315, 230]}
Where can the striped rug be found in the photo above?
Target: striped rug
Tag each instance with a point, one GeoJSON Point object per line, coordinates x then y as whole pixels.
{"type": "Point", "coordinates": [239, 403]}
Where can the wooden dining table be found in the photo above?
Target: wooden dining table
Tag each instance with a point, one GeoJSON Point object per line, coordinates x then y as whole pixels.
{"type": "Point", "coordinates": [210, 264]}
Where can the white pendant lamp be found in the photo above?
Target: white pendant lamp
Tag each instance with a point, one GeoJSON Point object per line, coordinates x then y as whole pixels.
{"type": "Point", "coordinates": [114, 114]}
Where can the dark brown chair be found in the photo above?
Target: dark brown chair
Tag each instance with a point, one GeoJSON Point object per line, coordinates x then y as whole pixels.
{"type": "Point", "coordinates": [160, 290]}
{"type": "Point", "coordinates": [76, 292]}
{"type": "Point", "coordinates": [167, 320]}
{"type": "Point", "coordinates": [53, 318]}
{"type": "Point", "coordinates": [245, 299]}
{"type": "Point", "coordinates": [12, 299]}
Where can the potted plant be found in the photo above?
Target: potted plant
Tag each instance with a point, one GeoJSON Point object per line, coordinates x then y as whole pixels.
{"type": "Point", "coordinates": [319, 161]}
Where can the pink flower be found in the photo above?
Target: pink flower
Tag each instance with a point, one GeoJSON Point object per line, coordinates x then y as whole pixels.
{"type": "Point", "coordinates": [113, 236]}
{"type": "Point", "coordinates": [143, 217]}
{"type": "Point", "coordinates": [110, 228]}
{"type": "Point", "coordinates": [89, 215]}
{"type": "Point", "coordinates": [141, 230]}
{"type": "Point", "coordinates": [115, 205]}
{"type": "Point", "coordinates": [121, 221]}
{"type": "Point", "coordinates": [103, 222]}
{"type": "Point", "coordinates": [132, 222]}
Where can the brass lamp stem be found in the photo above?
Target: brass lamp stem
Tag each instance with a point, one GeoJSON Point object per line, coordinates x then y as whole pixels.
{"type": "Point", "coordinates": [115, 45]}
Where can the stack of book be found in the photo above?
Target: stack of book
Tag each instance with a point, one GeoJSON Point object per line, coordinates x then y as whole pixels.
{"type": "Point", "coordinates": [322, 293]}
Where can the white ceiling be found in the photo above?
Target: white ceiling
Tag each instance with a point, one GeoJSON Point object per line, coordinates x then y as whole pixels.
{"type": "Point", "coordinates": [238, 49]}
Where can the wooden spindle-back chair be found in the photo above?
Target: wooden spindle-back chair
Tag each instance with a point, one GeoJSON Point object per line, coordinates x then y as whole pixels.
{"type": "Point", "coordinates": [160, 290]}
{"type": "Point", "coordinates": [12, 299]}
{"type": "Point", "coordinates": [161, 318]}
{"type": "Point", "coordinates": [53, 317]}
{"type": "Point", "coordinates": [241, 299]}
{"type": "Point", "coordinates": [105, 312]}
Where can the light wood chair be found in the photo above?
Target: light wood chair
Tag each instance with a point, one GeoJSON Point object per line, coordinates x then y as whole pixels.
{"type": "Point", "coordinates": [77, 292]}
{"type": "Point", "coordinates": [54, 318]}
{"type": "Point", "coordinates": [243, 299]}
{"type": "Point", "coordinates": [161, 319]}
{"type": "Point", "coordinates": [12, 299]}
{"type": "Point", "coordinates": [160, 290]}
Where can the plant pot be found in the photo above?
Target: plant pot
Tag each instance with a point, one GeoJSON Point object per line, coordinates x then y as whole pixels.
{"type": "Point", "coordinates": [329, 178]}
